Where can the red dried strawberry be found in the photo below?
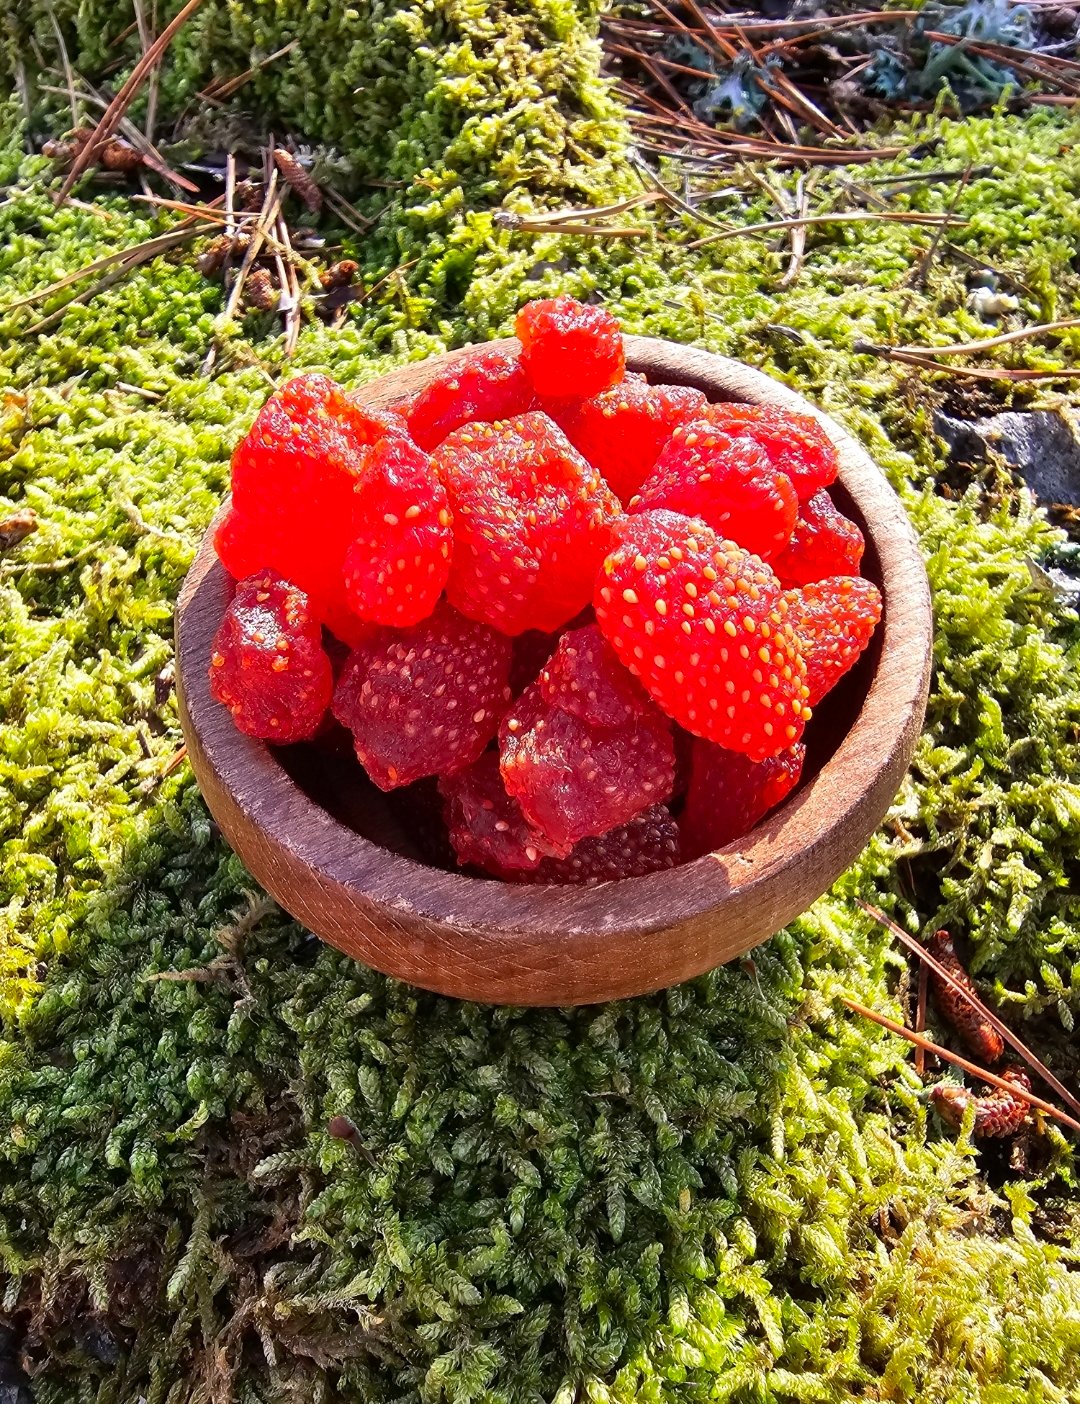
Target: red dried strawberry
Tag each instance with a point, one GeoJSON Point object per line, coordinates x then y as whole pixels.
{"type": "Point", "coordinates": [531, 523]}
{"type": "Point", "coordinates": [823, 543]}
{"type": "Point", "coordinates": [704, 626]}
{"type": "Point", "coordinates": [729, 793]}
{"type": "Point", "coordinates": [267, 664]}
{"type": "Point", "coordinates": [648, 844]}
{"type": "Point", "coordinates": [569, 349]}
{"type": "Point", "coordinates": [397, 565]}
{"type": "Point", "coordinates": [425, 700]}
{"type": "Point", "coordinates": [574, 780]}
{"type": "Point", "coordinates": [622, 430]}
{"type": "Point", "coordinates": [584, 678]}
{"type": "Point", "coordinates": [487, 827]}
{"type": "Point", "coordinates": [833, 621]}
{"type": "Point", "coordinates": [485, 385]}
{"type": "Point", "coordinates": [795, 444]}
{"type": "Point", "coordinates": [728, 483]}
{"type": "Point", "coordinates": [293, 481]}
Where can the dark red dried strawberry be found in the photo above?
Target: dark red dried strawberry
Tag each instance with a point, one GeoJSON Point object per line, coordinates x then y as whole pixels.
{"type": "Point", "coordinates": [648, 844]}
{"type": "Point", "coordinates": [487, 828]}
{"type": "Point", "coordinates": [584, 678]}
{"type": "Point", "coordinates": [729, 793]}
{"type": "Point", "coordinates": [574, 780]}
{"type": "Point", "coordinates": [268, 665]}
{"type": "Point", "coordinates": [425, 700]}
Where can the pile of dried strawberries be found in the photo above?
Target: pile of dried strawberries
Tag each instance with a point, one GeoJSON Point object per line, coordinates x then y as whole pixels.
{"type": "Point", "coordinates": [598, 610]}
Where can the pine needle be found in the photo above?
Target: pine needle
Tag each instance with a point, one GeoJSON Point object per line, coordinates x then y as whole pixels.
{"type": "Point", "coordinates": [982, 1073]}
{"type": "Point", "coordinates": [841, 217]}
{"type": "Point", "coordinates": [122, 101]}
{"type": "Point", "coordinates": [917, 948]}
{"type": "Point", "coordinates": [968, 348]}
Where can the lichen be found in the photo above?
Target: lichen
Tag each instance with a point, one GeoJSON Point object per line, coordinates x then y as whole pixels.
{"type": "Point", "coordinates": [731, 1190]}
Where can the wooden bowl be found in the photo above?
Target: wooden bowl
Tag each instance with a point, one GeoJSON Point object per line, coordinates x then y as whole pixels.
{"type": "Point", "coordinates": [331, 849]}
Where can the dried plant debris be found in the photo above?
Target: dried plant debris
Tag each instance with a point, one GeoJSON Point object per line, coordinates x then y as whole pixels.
{"type": "Point", "coordinates": [16, 526]}
{"type": "Point", "coordinates": [298, 179]}
{"type": "Point", "coordinates": [833, 74]}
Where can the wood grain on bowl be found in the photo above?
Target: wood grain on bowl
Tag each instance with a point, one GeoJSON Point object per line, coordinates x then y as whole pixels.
{"type": "Point", "coordinates": [348, 872]}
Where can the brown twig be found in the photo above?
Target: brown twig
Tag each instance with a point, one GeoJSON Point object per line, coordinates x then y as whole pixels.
{"type": "Point", "coordinates": [1017, 1044]}
{"type": "Point", "coordinates": [290, 292]}
{"type": "Point", "coordinates": [146, 39]}
{"type": "Point", "coordinates": [920, 1016]}
{"type": "Point", "coordinates": [348, 214]}
{"type": "Point", "coordinates": [119, 105]}
{"type": "Point", "coordinates": [982, 1073]}
{"type": "Point", "coordinates": [69, 72]}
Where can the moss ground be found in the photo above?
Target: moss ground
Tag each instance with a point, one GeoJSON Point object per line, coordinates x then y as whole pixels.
{"type": "Point", "coordinates": [728, 1191]}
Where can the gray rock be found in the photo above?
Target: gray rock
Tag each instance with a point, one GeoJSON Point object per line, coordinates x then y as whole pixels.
{"type": "Point", "coordinates": [1042, 445]}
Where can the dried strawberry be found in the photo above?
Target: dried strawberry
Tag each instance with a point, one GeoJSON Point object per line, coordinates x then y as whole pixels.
{"type": "Point", "coordinates": [796, 444]}
{"type": "Point", "coordinates": [823, 543]}
{"type": "Point", "coordinates": [397, 565]}
{"type": "Point", "coordinates": [704, 625]}
{"type": "Point", "coordinates": [728, 483]}
{"type": "Point", "coordinates": [729, 793]}
{"type": "Point", "coordinates": [487, 827]}
{"type": "Point", "coordinates": [293, 481]}
{"type": "Point", "coordinates": [833, 621]}
{"type": "Point", "coordinates": [574, 780]}
{"type": "Point", "coordinates": [584, 678]}
{"type": "Point", "coordinates": [485, 385]}
{"type": "Point", "coordinates": [647, 844]}
{"type": "Point", "coordinates": [531, 523]}
{"type": "Point", "coordinates": [569, 349]}
{"type": "Point", "coordinates": [622, 430]}
{"type": "Point", "coordinates": [268, 665]}
{"type": "Point", "coordinates": [425, 700]}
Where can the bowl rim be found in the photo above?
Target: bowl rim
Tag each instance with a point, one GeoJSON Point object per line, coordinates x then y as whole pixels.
{"type": "Point", "coordinates": [828, 819]}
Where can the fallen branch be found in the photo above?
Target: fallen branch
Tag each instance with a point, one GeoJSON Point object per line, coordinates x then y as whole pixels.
{"type": "Point", "coordinates": [968, 348]}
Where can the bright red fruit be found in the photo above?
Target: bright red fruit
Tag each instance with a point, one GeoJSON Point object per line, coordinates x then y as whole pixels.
{"type": "Point", "coordinates": [796, 444]}
{"type": "Point", "coordinates": [622, 430]}
{"type": "Point", "coordinates": [425, 700]}
{"type": "Point", "coordinates": [574, 780]}
{"type": "Point", "coordinates": [485, 385]}
{"type": "Point", "coordinates": [268, 665]}
{"type": "Point", "coordinates": [729, 793]}
{"type": "Point", "coordinates": [833, 620]}
{"type": "Point", "coordinates": [823, 543]}
{"type": "Point", "coordinates": [294, 477]}
{"type": "Point", "coordinates": [397, 565]}
{"type": "Point", "coordinates": [647, 844]}
{"type": "Point", "coordinates": [705, 627]}
{"type": "Point", "coordinates": [569, 349]}
{"type": "Point", "coordinates": [531, 523]}
{"type": "Point", "coordinates": [727, 482]}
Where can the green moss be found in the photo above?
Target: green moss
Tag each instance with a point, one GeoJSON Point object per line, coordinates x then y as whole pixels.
{"type": "Point", "coordinates": [727, 1191]}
